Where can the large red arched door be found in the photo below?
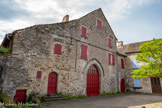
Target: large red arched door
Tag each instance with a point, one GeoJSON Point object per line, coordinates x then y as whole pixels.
{"type": "Point", "coordinates": [52, 83]}
{"type": "Point", "coordinates": [92, 81]}
{"type": "Point", "coordinates": [122, 86]}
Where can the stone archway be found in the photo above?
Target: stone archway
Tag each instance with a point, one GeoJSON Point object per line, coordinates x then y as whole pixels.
{"type": "Point", "coordinates": [100, 72]}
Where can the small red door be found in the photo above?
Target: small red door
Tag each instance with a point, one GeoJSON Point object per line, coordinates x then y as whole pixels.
{"type": "Point", "coordinates": [122, 86]}
{"type": "Point", "coordinates": [52, 83]}
{"type": "Point", "coordinates": [92, 81]}
{"type": "Point", "coordinates": [20, 96]}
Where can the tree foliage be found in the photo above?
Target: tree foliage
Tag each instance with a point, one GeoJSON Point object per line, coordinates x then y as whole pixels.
{"type": "Point", "coordinates": [151, 54]}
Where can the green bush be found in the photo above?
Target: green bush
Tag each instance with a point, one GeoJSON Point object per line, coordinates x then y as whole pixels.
{"type": "Point", "coordinates": [5, 50]}
{"type": "Point", "coordinates": [30, 99]}
{"type": "Point", "coordinates": [4, 98]}
{"type": "Point", "coordinates": [41, 98]}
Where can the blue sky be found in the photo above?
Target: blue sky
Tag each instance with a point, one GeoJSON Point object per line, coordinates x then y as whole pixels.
{"type": "Point", "coordinates": [131, 20]}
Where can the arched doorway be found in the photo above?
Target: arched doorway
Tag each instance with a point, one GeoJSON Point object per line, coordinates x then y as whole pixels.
{"type": "Point", "coordinates": [122, 86]}
{"type": "Point", "coordinates": [92, 81]}
{"type": "Point", "coordinates": [52, 83]}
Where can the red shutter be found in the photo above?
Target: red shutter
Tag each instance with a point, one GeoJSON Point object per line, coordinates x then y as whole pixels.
{"type": "Point", "coordinates": [109, 42]}
{"type": "Point", "coordinates": [99, 23]}
{"type": "Point", "coordinates": [122, 63]}
{"type": "Point", "coordinates": [57, 49]}
{"type": "Point", "coordinates": [39, 74]}
{"type": "Point", "coordinates": [113, 59]}
{"type": "Point", "coordinates": [83, 51]}
{"type": "Point", "coordinates": [84, 31]}
{"type": "Point", "coordinates": [109, 58]}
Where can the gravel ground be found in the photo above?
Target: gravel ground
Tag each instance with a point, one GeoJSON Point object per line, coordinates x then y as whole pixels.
{"type": "Point", "coordinates": [114, 101]}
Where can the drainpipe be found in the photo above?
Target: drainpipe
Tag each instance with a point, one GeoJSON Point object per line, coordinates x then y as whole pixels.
{"type": "Point", "coordinates": [117, 54]}
{"type": "Point", "coordinates": [7, 35]}
{"type": "Point", "coordinates": [117, 71]}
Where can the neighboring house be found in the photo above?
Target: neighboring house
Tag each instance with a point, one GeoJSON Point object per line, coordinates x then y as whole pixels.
{"type": "Point", "coordinates": [75, 57]}
{"type": "Point", "coordinates": [145, 85]}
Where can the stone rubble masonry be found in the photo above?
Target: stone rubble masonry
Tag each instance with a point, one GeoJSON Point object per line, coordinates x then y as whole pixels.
{"type": "Point", "coordinates": [33, 50]}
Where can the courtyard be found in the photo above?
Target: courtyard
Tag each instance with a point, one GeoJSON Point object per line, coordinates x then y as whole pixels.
{"type": "Point", "coordinates": [113, 101]}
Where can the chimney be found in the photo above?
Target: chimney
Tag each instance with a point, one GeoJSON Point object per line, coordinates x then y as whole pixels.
{"type": "Point", "coordinates": [66, 18]}
{"type": "Point", "coordinates": [120, 43]}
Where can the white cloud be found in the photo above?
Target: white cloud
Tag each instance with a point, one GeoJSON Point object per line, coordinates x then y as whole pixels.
{"type": "Point", "coordinates": [120, 8]}
{"type": "Point", "coordinates": [51, 11]}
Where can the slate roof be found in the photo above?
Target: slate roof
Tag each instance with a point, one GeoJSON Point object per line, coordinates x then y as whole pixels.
{"type": "Point", "coordinates": [131, 48]}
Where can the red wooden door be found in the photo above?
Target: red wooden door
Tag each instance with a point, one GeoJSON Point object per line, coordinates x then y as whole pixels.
{"type": "Point", "coordinates": [92, 81]}
{"type": "Point", "coordinates": [20, 96]}
{"type": "Point", "coordinates": [122, 86]}
{"type": "Point", "coordinates": [52, 83]}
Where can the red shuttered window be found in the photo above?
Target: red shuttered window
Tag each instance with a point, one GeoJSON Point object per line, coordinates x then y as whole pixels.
{"type": "Point", "coordinates": [110, 42]}
{"type": "Point", "coordinates": [39, 74]}
{"type": "Point", "coordinates": [57, 49]}
{"type": "Point", "coordinates": [109, 58]}
{"type": "Point", "coordinates": [84, 31]}
{"type": "Point", "coordinates": [99, 23]}
{"type": "Point", "coordinates": [83, 51]}
{"type": "Point", "coordinates": [122, 63]}
{"type": "Point", "coordinates": [113, 58]}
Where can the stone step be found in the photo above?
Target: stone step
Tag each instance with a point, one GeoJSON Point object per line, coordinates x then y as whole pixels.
{"type": "Point", "coordinates": [55, 99]}
{"type": "Point", "coordinates": [52, 96]}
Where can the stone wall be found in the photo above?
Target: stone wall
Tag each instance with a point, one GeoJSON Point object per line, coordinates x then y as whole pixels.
{"type": "Point", "coordinates": [122, 72]}
{"type": "Point", "coordinates": [98, 50]}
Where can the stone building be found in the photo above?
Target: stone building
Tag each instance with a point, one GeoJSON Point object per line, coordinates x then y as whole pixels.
{"type": "Point", "coordinates": [145, 85]}
{"type": "Point", "coordinates": [75, 57]}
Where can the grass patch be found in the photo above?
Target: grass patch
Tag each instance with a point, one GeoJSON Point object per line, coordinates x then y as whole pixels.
{"type": "Point", "coordinates": [109, 93]}
{"type": "Point", "coordinates": [72, 97]}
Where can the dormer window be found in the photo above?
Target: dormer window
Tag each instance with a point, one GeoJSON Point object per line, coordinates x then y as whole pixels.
{"type": "Point", "coordinates": [84, 31]}
{"type": "Point", "coordinates": [99, 23]}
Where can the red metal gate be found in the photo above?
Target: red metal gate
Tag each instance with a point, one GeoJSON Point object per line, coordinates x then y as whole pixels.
{"type": "Point", "coordinates": [20, 96]}
{"type": "Point", "coordinates": [122, 86]}
{"type": "Point", "coordinates": [92, 81]}
{"type": "Point", "coordinates": [52, 83]}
